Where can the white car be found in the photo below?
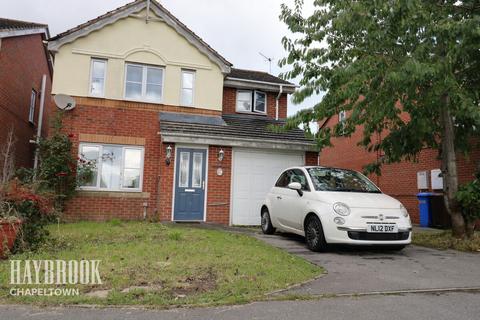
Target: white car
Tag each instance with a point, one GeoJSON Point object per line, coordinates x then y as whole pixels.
{"type": "Point", "coordinates": [334, 206]}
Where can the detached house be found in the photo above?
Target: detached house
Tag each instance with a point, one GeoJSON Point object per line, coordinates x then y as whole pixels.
{"type": "Point", "coordinates": [24, 66]}
{"type": "Point", "coordinates": [174, 131]}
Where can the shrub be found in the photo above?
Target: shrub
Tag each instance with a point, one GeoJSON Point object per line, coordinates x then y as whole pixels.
{"type": "Point", "coordinates": [56, 172]}
{"type": "Point", "coordinates": [468, 196]}
{"type": "Point", "coordinates": [33, 209]}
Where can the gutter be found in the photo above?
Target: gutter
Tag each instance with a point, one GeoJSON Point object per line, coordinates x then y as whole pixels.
{"type": "Point", "coordinates": [263, 82]}
{"type": "Point", "coordinates": [237, 141]}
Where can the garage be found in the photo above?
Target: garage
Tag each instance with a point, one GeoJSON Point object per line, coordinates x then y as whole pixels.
{"type": "Point", "coordinates": [254, 173]}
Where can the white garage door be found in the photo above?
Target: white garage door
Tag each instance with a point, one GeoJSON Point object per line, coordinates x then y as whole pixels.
{"type": "Point", "coordinates": [254, 174]}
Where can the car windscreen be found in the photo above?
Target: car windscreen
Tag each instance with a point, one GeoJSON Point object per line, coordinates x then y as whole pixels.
{"type": "Point", "coordinates": [341, 180]}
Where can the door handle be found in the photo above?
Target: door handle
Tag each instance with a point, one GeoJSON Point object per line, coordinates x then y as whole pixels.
{"type": "Point", "coordinates": [279, 198]}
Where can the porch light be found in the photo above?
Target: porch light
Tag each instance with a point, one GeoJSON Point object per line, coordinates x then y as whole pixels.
{"type": "Point", "coordinates": [221, 155]}
{"type": "Point", "coordinates": [168, 155]}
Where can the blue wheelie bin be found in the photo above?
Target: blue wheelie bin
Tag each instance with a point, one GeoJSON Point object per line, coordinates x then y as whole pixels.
{"type": "Point", "coordinates": [425, 208]}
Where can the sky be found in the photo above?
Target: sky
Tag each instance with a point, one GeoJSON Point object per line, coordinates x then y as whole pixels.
{"type": "Point", "coordinates": [238, 29]}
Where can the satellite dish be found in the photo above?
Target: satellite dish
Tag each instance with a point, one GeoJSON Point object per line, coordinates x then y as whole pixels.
{"type": "Point", "coordinates": [64, 102]}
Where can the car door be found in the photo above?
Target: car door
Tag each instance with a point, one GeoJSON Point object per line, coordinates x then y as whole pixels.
{"type": "Point", "coordinates": [294, 204]}
{"type": "Point", "coordinates": [276, 197]}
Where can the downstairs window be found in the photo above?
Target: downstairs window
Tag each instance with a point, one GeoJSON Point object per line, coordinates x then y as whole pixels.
{"type": "Point", "coordinates": [110, 167]}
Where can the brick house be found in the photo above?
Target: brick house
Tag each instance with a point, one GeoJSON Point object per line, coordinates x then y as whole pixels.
{"type": "Point", "coordinates": [175, 132]}
{"type": "Point", "coordinates": [24, 60]}
{"type": "Point", "coordinates": [398, 179]}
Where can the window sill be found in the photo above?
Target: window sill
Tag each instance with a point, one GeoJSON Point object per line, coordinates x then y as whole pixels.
{"type": "Point", "coordinates": [254, 113]}
{"type": "Point", "coordinates": [113, 194]}
{"type": "Point", "coordinates": [143, 101]}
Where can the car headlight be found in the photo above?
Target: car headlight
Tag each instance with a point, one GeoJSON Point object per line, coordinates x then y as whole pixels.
{"type": "Point", "coordinates": [341, 209]}
{"type": "Point", "coordinates": [404, 211]}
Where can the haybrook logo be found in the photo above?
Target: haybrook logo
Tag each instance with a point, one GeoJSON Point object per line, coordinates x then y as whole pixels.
{"type": "Point", "coordinates": [52, 272]}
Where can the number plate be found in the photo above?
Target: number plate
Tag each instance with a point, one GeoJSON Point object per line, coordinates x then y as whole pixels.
{"type": "Point", "coordinates": [382, 228]}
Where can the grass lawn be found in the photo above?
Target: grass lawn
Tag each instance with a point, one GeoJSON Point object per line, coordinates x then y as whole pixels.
{"type": "Point", "coordinates": [443, 240]}
{"type": "Point", "coordinates": [165, 265]}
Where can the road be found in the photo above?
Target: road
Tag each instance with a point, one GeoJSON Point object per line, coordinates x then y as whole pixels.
{"type": "Point", "coordinates": [448, 306]}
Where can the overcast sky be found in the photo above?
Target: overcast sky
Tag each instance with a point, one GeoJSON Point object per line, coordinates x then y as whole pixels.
{"type": "Point", "coordinates": [237, 29]}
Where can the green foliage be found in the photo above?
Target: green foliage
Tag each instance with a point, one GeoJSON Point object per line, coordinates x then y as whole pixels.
{"type": "Point", "coordinates": [468, 197]}
{"type": "Point", "coordinates": [56, 172]}
{"type": "Point", "coordinates": [391, 65]}
{"type": "Point", "coordinates": [34, 209]}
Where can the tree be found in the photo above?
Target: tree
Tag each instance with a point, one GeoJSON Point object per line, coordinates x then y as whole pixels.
{"type": "Point", "coordinates": [407, 70]}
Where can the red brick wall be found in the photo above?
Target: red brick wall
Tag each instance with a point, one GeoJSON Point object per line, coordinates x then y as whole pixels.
{"type": "Point", "coordinates": [399, 179]}
{"type": "Point", "coordinates": [119, 121]}
{"type": "Point", "coordinates": [23, 62]}
{"type": "Point", "coordinates": [112, 118]}
{"type": "Point", "coordinates": [230, 101]}
{"type": "Point", "coordinates": [311, 158]}
{"type": "Point", "coordinates": [218, 195]}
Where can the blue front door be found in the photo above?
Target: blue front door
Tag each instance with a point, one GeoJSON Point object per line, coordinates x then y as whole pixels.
{"type": "Point", "coordinates": [189, 204]}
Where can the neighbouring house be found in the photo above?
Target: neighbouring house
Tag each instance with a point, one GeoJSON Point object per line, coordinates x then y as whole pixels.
{"type": "Point", "coordinates": [174, 131]}
{"type": "Point", "coordinates": [402, 180]}
{"type": "Point", "coordinates": [24, 60]}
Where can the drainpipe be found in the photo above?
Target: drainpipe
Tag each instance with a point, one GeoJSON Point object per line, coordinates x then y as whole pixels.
{"type": "Point", "coordinates": [40, 120]}
{"type": "Point", "coordinates": [276, 102]}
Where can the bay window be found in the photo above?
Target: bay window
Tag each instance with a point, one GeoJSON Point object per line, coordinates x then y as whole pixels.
{"type": "Point", "coordinates": [111, 167]}
{"type": "Point", "coordinates": [251, 101]}
{"type": "Point", "coordinates": [144, 83]}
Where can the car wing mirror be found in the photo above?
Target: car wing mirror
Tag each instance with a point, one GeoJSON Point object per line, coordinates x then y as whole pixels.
{"type": "Point", "coordinates": [297, 187]}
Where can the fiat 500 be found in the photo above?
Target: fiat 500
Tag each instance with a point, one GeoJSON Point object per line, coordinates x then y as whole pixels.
{"type": "Point", "coordinates": [334, 206]}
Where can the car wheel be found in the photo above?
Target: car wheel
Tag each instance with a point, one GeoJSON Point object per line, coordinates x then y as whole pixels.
{"type": "Point", "coordinates": [314, 235]}
{"type": "Point", "coordinates": [267, 226]}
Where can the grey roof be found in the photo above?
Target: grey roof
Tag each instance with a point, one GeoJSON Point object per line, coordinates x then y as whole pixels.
{"type": "Point", "coordinates": [10, 24]}
{"type": "Point", "coordinates": [246, 127]}
{"type": "Point", "coordinates": [253, 75]}
{"type": "Point", "coordinates": [191, 118]}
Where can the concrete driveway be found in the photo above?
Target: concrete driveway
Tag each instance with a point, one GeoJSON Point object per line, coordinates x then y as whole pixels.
{"type": "Point", "coordinates": [363, 270]}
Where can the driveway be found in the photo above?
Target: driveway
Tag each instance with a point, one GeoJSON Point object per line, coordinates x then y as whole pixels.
{"type": "Point", "coordinates": [360, 270]}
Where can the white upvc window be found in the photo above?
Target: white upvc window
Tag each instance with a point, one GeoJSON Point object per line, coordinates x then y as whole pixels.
{"type": "Point", "coordinates": [342, 117]}
{"type": "Point", "coordinates": [187, 88]}
{"type": "Point", "coordinates": [115, 167]}
{"type": "Point", "coordinates": [144, 82]}
{"type": "Point", "coordinates": [251, 101]}
{"type": "Point", "coordinates": [31, 112]}
{"type": "Point", "coordinates": [98, 74]}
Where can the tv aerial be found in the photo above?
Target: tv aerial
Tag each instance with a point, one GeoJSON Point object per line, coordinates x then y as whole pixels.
{"type": "Point", "coordinates": [269, 60]}
{"type": "Point", "coordinates": [64, 102]}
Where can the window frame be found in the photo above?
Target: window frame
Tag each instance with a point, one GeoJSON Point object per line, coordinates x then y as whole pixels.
{"type": "Point", "coordinates": [31, 109]}
{"type": "Point", "coordinates": [120, 188]}
{"type": "Point", "coordinates": [253, 100]}
{"type": "Point", "coordinates": [145, 68]}
{"type": "Point", "coordinates": [194, 74]}
{"type": "Point", "coordinates": [254, 105]}
{"type": "Point", "coordinates": [342, 118]}
{"type": "Point", "coordinates": [92, 61]}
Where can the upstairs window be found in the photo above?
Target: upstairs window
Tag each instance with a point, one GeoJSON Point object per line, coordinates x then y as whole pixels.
{"type": "Point", "coordinates": [144, 83]}
{"type": "Point", "coordinates": [251, 101]}
{"type": "Point", "coordinates": [342, 118]}
{"type": "Point", "coordinates": [98, 70]}
{"type": "Point", "coordinates": [31, 113]}
{"type": "Point", "coordinates": [188, 85]}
